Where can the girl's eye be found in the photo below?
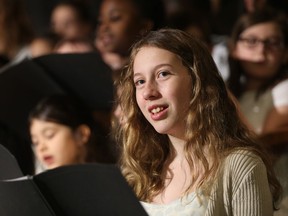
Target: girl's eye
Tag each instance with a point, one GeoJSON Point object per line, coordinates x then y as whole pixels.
{"type": "Point", "coordinates": [139, 82]}
{"type": "Point", "coordinates": [163, 74]}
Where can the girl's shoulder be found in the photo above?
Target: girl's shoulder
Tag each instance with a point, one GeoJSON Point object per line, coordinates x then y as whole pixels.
{"type": "Point", "coordinates": [279, 93]}
{"type": "Point", "coordinates": [242, 161]}
{"type": "Point", "coordinates": [241, 167]}
{"type": "Point", "coordinates": [283, 84]}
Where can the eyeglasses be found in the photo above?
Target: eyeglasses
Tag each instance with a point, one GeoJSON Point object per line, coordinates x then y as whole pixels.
{"type": "Point", "coordinates": [271, 43]}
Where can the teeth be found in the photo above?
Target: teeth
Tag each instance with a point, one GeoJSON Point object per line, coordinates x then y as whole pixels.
{"type": "Point", "coordinates": [157, 110]}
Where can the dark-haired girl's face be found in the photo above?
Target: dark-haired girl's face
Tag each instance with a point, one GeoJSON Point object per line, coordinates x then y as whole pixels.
{"type": "Point", "coordinates": [65, 22]}
{"type": "Point", "coordinates": [119, 25]}
{"type": "Point", "coordinates": [55, 144]}
{"type": "Point", "coordinates": [261, 50]}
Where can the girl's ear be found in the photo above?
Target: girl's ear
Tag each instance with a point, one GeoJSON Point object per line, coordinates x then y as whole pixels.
{"type": "Point", "coordinates": [83, 133]}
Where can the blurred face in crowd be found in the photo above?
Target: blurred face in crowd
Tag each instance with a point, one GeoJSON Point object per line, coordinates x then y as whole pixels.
{"type": "Point", "coordinates": [65, 22]}
{"type": "Point", "coordinates": [261, 50]}
{"type": "Point", "coordinates": [119, 24]}
{"type": "Point", "coordinates": [55, 144]}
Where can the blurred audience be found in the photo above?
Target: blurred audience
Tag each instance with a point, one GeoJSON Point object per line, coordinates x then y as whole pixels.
{"type": "Point", "coordinates": [71, 30]}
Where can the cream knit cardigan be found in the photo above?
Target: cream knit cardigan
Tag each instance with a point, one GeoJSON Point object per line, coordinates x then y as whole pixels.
{"type": "Point", "coordinates": [242, 188]}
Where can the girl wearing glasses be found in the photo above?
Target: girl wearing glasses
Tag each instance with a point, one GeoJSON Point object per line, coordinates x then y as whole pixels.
{"type": "Point", "coordinates": [258, 79]}
{"type": "Point", "coordinates": [258, 76]}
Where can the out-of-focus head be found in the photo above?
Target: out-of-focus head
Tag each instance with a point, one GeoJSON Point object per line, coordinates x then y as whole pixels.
{"type": "Point", "coordinates": [71, 20]}
{"type": "Point", "coordinates": [259, 42]}
{"type": "Point", "coordinates": [61, 131]}
{"type": "Point", "coordinates": [121, 22]}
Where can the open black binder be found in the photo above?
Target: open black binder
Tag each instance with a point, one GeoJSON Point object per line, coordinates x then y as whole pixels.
{"type": "Point", "coordinates": [82, 190]}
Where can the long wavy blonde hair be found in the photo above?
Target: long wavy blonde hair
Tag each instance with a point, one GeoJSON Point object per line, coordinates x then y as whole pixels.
{"type": "Point", "coordinates": [212, 122]}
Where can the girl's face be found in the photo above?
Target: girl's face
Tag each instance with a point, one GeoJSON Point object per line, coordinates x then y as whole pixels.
{"type": "Point", "coordinates": [261, 50]}
{"type": "Point", "coordinates": [163, 88]}
{"type": "Point", "coordinates": [55, 144]}
{"type": "Point", "coordinates": [119, 25]}
{"type": "Point", "coordinates": [64, 21]}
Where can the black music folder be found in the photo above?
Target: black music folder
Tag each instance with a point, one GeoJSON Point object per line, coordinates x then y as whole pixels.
{"type": "Point", "coordinates": [76, 190]}
{"type": "Point", "coordinates": [84, 75]}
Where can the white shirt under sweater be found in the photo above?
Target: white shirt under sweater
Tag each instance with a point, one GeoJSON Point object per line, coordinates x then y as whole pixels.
{"type": "Point", "coordinates": [241, 189]}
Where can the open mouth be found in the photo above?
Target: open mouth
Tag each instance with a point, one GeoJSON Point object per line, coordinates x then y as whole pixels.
{"type": "Point", "coordinates": [48, 159]}
{"type": "Point", "coordinates": [158, 109]}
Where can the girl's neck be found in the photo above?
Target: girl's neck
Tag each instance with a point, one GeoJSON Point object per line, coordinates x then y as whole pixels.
{"type": "Point", "coordinates": [253, 84]}
{"type": "Point", "coordinates": [179, 145]}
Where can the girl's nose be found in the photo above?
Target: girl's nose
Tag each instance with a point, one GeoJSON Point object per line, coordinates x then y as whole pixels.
{"type": "Point", "coordinates": [151, 92]}
{"type": "Point", "coordinates": [103, 26]}
{"type": "Point", "coordinates": [41, 146]}
{"type": "Point", "coordinates": [260, 53]}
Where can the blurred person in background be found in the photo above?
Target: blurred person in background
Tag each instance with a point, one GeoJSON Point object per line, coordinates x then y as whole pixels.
{"type": "Point", "coordinates": [71, 19]}
{"type": "Point", "coordinates": [15, 31]}
{"type": "Point", "coordinates": [259, 69]}
{"type": "Point", "coordinates": [259, 80]}
{"type": "Point", "coordinates": [63, 132]}
{"type": "Point", "coordinates": [120, 23]}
